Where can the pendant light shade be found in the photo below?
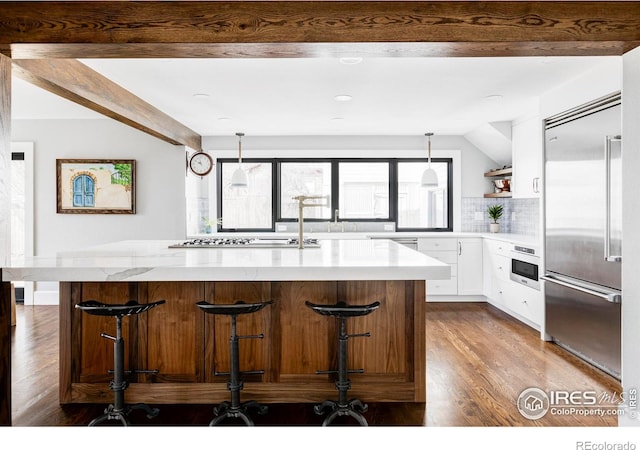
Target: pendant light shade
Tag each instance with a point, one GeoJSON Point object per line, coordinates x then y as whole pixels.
{"type": "Point", "coordinates": [429, 176]}
{"type": "Point", "coordinates": [239, 177]}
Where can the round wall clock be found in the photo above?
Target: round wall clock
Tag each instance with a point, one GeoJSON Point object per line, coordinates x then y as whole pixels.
{"type": "Point", "coordinates": [201, 163]}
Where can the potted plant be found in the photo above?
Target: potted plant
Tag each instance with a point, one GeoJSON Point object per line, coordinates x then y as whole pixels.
{"type": "Point", "coordinates": [495, 212]}
{"type": "Point", "coordinates": [208, 224]}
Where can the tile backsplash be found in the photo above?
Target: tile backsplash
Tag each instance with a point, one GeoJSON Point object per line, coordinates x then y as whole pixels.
{"type": "Point", "coordinates": [521, 215]}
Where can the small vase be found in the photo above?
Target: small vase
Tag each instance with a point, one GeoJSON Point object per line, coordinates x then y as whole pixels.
{"type": "Point", "coordinates": [494, 227]}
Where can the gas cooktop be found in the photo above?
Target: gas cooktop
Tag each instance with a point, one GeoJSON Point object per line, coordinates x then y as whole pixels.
{"type": "Point", "coordinates": [244, 243]}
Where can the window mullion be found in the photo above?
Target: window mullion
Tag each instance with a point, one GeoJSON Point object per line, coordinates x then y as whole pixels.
{"type": "Point", "coordinates": [335, 187]}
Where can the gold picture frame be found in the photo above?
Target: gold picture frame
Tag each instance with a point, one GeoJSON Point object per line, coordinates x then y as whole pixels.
{"type": "Point", "coordinates": [96, 186]}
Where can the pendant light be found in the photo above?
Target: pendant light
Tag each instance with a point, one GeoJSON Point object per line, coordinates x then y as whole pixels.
{"type": "Point", "coordinates": [429, 176]}
{"type": "Point", "coordinates": [239, 177]}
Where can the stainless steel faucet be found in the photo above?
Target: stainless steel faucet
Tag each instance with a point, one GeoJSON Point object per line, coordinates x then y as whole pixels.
{"type": "Point", "coordinates": [301, 205]}
{"type": "Point", "coordinates": [335, 221]}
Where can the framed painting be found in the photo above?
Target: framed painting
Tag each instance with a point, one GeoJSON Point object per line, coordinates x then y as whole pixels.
{"type": "Point", "coordinates": [96, 186]}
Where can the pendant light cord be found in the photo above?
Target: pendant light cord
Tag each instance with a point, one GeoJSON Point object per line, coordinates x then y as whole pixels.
{"type": "Point", "coordinates": [428, 135]}
{"type": "Point", "coordinates": [239, 147]}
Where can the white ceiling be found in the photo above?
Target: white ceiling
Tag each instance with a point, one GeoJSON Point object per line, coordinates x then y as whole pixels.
{"type": "Point", "coordinates": [391, 96]}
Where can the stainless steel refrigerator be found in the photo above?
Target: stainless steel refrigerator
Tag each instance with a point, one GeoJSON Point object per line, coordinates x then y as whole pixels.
{"type": "Point", "coordinates": [583, 231]}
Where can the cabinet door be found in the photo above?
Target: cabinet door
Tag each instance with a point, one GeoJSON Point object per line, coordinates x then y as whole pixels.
{"type": "Point", "coordinates": [527, 302]}
{"type": "Point", "coordinates": [526, 138]}
{"type": "Point", "coordinates": [172, 332]}
{"type": "Point", "coordinates": [470, 266]}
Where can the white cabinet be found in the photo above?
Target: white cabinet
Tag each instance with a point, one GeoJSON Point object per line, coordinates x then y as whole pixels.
{"type": "Point", "coordinates": [469, 266]}
{"type": "Point", "coordinates": [497, 266]}
{"type": "Point", "coordinates": [527, 154]}
{"type": "Point", "coordinates": [464, 255]}
{"type": "Point", "coordinates": [528, 303]}
{"type": "Point", "coordinates": [445, 250]}
{"type": "Point", "coordinates": [522, 302]}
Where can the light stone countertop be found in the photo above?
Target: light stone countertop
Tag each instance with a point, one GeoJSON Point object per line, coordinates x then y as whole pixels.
{"type": "Point", "coordinates": [153, 260]}
{"type": "Point", "coordinates": [520, 239]}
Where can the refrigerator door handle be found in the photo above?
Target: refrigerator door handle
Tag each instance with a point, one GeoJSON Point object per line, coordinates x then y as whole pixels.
{"type": "Point", "coordinates": [612, 297]}
{"type": "Point", "coordinates": [607, 186]}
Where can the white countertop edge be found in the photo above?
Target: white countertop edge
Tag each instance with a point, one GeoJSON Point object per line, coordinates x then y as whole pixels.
{"type": "Point", "coordinates": [222, 274]}
{"type": "Point", "coordinates": [153, 260]}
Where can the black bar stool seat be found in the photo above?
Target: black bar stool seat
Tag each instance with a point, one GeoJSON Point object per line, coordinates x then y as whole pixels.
{"type": "Point", "coordinates": [119, 410]}
{"type": "Point", "coordinates": [235, 409]}
{"type": "Point", "coordinates": [343, 407]}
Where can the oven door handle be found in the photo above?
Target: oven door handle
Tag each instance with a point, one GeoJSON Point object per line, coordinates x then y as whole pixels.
{"type": "Point", "coordinates": [612, 297]}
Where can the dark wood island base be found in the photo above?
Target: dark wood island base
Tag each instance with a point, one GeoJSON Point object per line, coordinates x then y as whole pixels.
{"type": "Point", "coordinates": [187, 346]}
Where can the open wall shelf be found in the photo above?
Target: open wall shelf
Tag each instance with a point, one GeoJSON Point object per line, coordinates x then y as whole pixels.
{"type": "Point", "coordinates": [499, 173]}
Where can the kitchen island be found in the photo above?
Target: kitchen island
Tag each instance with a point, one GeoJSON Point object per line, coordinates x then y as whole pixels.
{"type": "Point", "coordinates": [187, 346]}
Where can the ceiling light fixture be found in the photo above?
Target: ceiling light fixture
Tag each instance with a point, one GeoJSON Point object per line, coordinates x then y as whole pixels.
{"type": "Point", "coordinates": [224, 118]}
{"type": "Point", "coordinates": [429, 176]}
{"type": "Point", "coordinates": [342, 98]}
{"type": "Point", "coordinates": [350, 60]}
{"type": "Point", "coordinates": [239, 177]}
{"type": "Point", "coordinates": [200, 96]}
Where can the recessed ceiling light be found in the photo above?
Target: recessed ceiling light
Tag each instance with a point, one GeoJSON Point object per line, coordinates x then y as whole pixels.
{"type": "Point", "coordinates": [342, 98]}
{"type": "Point", "coordinates": [224, 118]}
{"type": "Point", "coordinates": [351, 60]}
{"type": "Point", "coordinates": [493, 97]}
{"type": "Point", "coordinates": [201, 96]}
{"type": "Point", "coordinates": [337, 118]}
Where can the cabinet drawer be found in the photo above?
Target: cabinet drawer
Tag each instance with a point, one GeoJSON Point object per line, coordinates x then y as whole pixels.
{"type": "Point", "coordinates": [443, 287]}
{"type": "Point", "coordinates": [445, 257]}
{"type": "Point", "coordinates": [526, 302]}
{"type": "Point", "coordinates": [501, 267]}
{"type": "Point", "coordinates": [438, 244]}
{"type": "Point", "coordinates": [500, 290]}
{"type": "Point", "coordinates": [498, 247]}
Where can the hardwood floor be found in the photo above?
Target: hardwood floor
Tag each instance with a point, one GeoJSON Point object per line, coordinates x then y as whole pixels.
{"type": "Point", "coordinates": [478, 361]}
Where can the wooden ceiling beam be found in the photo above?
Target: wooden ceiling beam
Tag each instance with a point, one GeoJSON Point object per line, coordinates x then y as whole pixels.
{"type": "Point", "coordinates": [79, 83]}
{"type": "Point", "coordinates": [201, 28]}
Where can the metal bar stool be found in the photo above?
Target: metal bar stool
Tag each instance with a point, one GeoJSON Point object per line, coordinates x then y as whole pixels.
{"type": "Point", "coordinates": [119, 410]}
{"type": "Point", "coordinates": [343, 407]}
{"type": "Point", "coordinates": [235, 409]}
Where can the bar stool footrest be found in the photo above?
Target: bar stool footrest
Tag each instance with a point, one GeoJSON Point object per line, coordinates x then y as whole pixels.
{"type": "Point", "coordinates": [224, 410]}
{"type": "Point", "coordinates": [353, 408]}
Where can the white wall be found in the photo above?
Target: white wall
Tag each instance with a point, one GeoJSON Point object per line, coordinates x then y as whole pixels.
{"type": "Point", "coordinates": [630, 227]}
{"type": "Point", "coordinates": [602, 80]}
{"type": "Point", "coordinates": [160, 187]}
{"type": "Point", "coordinates": [469, 163]}
{"type": "Point", "coordinates": [474, 162]}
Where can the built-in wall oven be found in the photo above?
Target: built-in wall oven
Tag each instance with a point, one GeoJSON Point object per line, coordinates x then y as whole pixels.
{"type": "Point", "coordinates": [524, 266]}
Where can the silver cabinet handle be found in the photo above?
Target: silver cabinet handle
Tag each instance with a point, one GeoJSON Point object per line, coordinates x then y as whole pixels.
{"type": "Point", "coordinates": [607, 186]}
{"type": "Point", "coordinates": [459, 248]}
{"type": "Point", "coordinates": [536, 185]}
{"type": "Point", "coordinates": [610, 297]}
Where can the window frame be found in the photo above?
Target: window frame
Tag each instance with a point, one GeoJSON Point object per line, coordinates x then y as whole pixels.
{"type": "Point", "coordinates": [449, 162]}
{"type": "Point", "coordinates": [335, 186]}
{"type": "Point", "coordinates": [278, 163]}
{"type": "Point", "coordinates": [276, 213]}
{"type": "Point", "coordinates": [219, 210]}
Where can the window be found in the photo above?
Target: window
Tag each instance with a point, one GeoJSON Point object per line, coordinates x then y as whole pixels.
{"type": "Point", "coordinates": [361, 190]}
{"type": "Point", "coordinates": [364, 190]}
{"type": "Point", "coordinates": [250, 207]}
{"type": "Point", "coordinates": [304, 178]}
{"type": "Point", "coordinates": [419, 207]}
